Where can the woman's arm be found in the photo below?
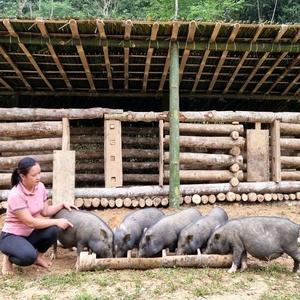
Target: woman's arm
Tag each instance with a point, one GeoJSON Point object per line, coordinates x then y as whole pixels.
{"type": "Point", "coordinates": [50, 210]}
{"type": "Point", "coordinates": [26, 218]}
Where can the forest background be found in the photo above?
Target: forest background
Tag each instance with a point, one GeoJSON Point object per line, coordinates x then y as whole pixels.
{"type": "Point", "coordinates": [275, 11]}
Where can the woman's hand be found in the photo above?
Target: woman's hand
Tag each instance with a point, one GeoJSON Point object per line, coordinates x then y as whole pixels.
{"type": "Point", "coordinates": [64, 223]}
{"type": "Point", "coordinates": [68, 206]}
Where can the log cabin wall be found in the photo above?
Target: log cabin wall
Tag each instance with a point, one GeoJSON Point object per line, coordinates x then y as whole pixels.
{"type": "Point", "coordinates": [212, 152]}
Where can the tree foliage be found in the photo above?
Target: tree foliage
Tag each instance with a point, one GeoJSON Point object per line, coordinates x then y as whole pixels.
{"type": "Point", "coordinates": [284, 11]}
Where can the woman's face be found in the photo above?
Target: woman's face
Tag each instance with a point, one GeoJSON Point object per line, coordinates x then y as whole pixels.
{"type": "Point", "coordinates": [33, 177]}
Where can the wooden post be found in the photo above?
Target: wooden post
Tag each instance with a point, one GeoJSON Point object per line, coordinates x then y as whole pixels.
{"type": "Point", "coordinates": [275, 150]}
{"type": "Point", "coordinates": [174, 181]}
{"type": "Point", "coordinates": [161, 152]}
{"type": "Point", "coordinates": [258, 154]}
{"type": "Point", "coordinates": [63, 181]}
{"type": "Point", "coordinates": [65, 134]}
{"type": "Point", "coordinates": [113, 153]}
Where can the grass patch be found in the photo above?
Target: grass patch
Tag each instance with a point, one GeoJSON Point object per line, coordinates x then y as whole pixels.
{"type": "Point", "coordinates": [16, 284]}
{"type": "Point", "coordinates": [72, 278]}
{"type": "Point", "coordinates": [270, 296]}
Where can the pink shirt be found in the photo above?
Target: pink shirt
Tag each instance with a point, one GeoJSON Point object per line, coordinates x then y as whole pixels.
{"type": "Point", "coordinates": [20, 198]}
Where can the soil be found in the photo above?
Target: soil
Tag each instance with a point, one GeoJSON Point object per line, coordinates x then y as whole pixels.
{"type": "Point", "coordinates": [66, 258]}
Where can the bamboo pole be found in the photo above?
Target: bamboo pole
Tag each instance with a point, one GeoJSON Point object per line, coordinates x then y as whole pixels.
{"type": "Point", "coordinates": [174, 182]}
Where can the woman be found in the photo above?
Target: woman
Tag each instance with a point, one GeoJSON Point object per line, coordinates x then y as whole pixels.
{"type": "Point", "coordinates": [26, 235]}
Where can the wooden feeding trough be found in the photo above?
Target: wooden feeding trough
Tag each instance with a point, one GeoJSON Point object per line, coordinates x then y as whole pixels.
{"type": "Point", "coordinates": [89, 262]}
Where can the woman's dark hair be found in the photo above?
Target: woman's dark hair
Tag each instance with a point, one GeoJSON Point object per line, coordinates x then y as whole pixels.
{"type": "Point", "coordinates": [24, 165]}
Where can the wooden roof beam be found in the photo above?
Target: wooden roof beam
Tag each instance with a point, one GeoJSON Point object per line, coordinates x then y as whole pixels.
{"type": "Point", "coordinates": [205, 56]}
{"type": "Point", "coordinates": [235, 30]}
{"type": "Point", "coordinates": [279, 35]}
{"type": "Point", "coordinates": [277, 62]}
{"type": "Point", "coordinates": [174, 35]}
{"type": "Point", "coordinates": [4, 83]}
{"type": "Point", "coordinates": [81, 53]}
{"type": "Point", "coordinates": [101, 30]}
{"type": "Point", "coordinates": [128, 25]}
{"type": "Point", "coordinates": [42, 27]}
{"type": "Point", "coordinates": [12, 32]}
{"type": "Point", "coordinates": [245, 55]}
{"type": "Point", "coordinates": [153, 36]}
{"type": "Point", "coordinates": [186, 52]}
{"type": "Point", "coordinates": [296, 79]}
{"type": "Point", "coordinates": [15, 68]}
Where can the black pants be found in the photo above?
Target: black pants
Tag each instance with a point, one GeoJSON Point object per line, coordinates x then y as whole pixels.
{"type": "Point", "coordinates": [21, 250]}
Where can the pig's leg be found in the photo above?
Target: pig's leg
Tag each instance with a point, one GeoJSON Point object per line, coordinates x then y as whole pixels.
{"type": "Point", "coordinates": [244, 262]}
{"type": "Point", "coordinates": [238, 250]}
{"type": "Point", "coordinates": [295, 254]}
{"type": "Point", "coordinates": [80, 248]}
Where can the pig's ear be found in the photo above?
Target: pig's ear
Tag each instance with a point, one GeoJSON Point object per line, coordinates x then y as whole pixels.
{"type": "Point", "coordinates": [189, 238]}
{"type": "Point", "coordinates": [127, 237]}
{"type": "Point", "coordinates": [103, 233]}
{"type": "Point", "coordinates": [217, 236]}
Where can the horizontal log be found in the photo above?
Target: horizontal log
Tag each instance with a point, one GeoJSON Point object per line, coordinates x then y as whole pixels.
{"type": "Point", "coordinates": [88, 262]}
{"type": "Point", "coordinates": [31, 144]}
{"type": "Point", "coordinates": [185, 189]}
{"type": "Point", "coordinates": [211, 116]}
{"type": "Point", "coordinates": [208, 142]}
{"type": "Point", "coordinates": [12, 161]}
{"type": "Point", "coordinates": [205, 175]}
{"type": "Point", "coordinates": [287, 143]}
{"type": "Point", "coordinates": [25, 114]}
{"type": "Point", "coordinates": [36, 129]}
{"type": "Point", "coordinates": [206, 159]}
{"type": "Point", "coordinates": [289, 129]}
{"type": "Point", "coordinates": [290, 161]}
{"type": "Point", "coordinates": [211, 129]}
{"type": "Point", "coordinates": [290, 175]}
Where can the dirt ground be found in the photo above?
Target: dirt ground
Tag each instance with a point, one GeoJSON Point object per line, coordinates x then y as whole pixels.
{"type": "Point", "coordinates": [262, 276]}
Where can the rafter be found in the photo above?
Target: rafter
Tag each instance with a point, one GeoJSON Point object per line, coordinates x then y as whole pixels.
{"type": "Point", "coordinates": [12, 32]}
{"type": "Point", "coordinates": [174, 34]}
{"type": "Point", "coordinates": [186, 52]}
{"type": "Point", "coordinates": [245, 55]}
{"type": "Point", "coordinates": [286, 71]}
{"type": "Point", "coordinates": [154, 31]}
{"type": "Point", "coordinates": [277, 62]}
{"type": "Point", "coordinates": [81, 53]}
{"type": "Point", "coordinates": [128, 26]}
{"type": "Point", "coordinates": [235, 30]}
{"type": "Point", "coordinates": [4, 83]}
{"type": "Point", "coordinates": [296, 79]}
{"type": "Point", "coordinates": [15, 68]}
{"type": "Point", "coordinates": [279, 35]}
{"type": "Point", "coordinates": [42, 27]}
{"type": "Point", "coordinates": [101, 30]}
{"type": "Point", "coordinates": [205, 56]}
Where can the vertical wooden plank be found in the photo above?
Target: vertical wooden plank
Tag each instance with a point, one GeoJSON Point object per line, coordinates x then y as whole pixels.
{"type": "Point", "coordinates": [161, 152]}
{"type": "Point", "coordinates": [63, 186]}
{"type": "Point", "coordinates": [258, 155]}
{"type": "Point", "coordinates": [66, 134]}
{"type": "Point", "coordinates": [275, 150]}
{"type": "Point", "coordinates": [113, 171]}
{"type": "Point", "coordinates": [174, 180]}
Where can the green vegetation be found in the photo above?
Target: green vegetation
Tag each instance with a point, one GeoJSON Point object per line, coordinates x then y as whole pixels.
{"type": "Point", "coordinates": [287, 11]}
